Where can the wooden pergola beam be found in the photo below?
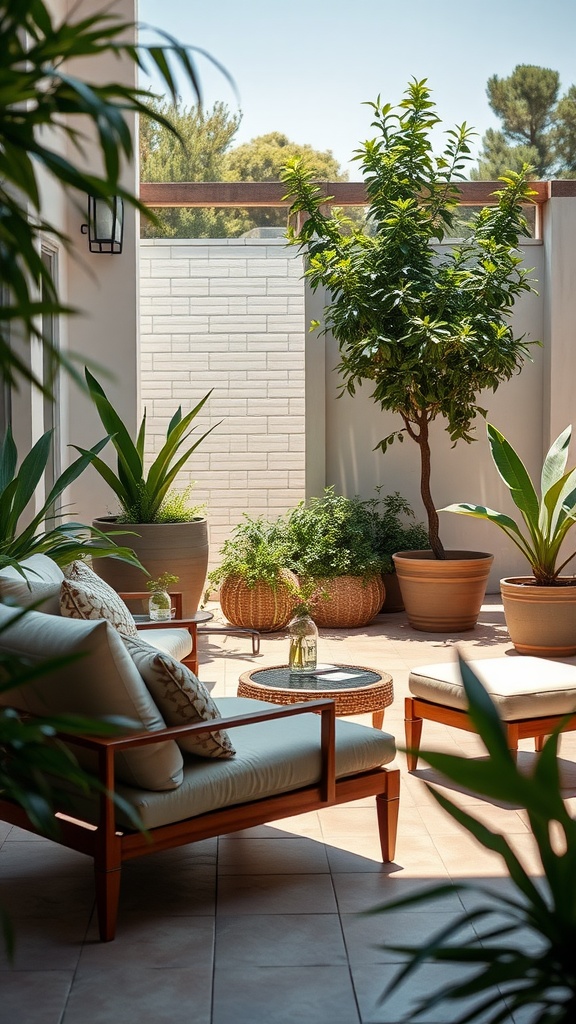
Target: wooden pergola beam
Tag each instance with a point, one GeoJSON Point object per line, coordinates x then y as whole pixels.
{"type": "Point", "coordinates": [246, 194]}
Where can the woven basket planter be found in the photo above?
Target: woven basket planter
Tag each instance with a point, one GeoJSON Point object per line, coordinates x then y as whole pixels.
{"type": "Point", "coordinates": [258, 607]}
{"type": "Point", "coordinates": [350, 602]}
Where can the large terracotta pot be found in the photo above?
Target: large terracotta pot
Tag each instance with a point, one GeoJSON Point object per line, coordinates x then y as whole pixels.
{"type": "Point", "coordinates": [349, 601]}
{"type": "Point", "coordinates": [443, 595]}
{"type": "Point", "coordinates": [541, 620]}
{"type": "Point", "coordinates": [178, 548]}
{"type": "Point", "coordinates": [259, 607]}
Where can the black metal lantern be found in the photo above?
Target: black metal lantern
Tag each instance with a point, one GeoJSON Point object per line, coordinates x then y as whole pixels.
{"type": "Point", "coordinates": [105, 227]}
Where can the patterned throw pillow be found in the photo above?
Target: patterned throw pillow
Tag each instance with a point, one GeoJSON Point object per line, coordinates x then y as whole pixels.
{"type": "Point", "coordinates": [181, 699]}
{"type": "Point", "coordinates": [84, 595]}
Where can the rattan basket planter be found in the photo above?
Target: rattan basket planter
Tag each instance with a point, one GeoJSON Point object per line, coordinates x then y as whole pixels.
{"type": "Point", "coordinates": [259, 607]}
{"type": "Point", "coordinates": [348, 601]}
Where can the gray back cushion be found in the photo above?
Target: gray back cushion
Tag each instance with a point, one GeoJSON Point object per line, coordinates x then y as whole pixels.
{"type": "Point", "coordinates": [41, 582]}
{"type": "Point", "coordinates": [102, 680]}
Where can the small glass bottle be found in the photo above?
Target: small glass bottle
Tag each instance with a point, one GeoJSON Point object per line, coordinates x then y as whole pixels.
{"type": "Point", "coordinates": [160, 606]}
{"type": "Point", "coordinates": [303, 634]}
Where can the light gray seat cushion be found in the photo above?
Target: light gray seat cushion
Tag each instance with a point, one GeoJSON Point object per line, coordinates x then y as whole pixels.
{"type": "Point", "coordinates": [101, 681]}
{"type": "Point", "coordinates": [520, 687]}
{"type": "Point", "coordinates": [271, 757]}
{"type": "Point", "coordinates": [176, 642]}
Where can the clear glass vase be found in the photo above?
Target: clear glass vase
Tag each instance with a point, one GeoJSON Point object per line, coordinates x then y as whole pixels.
{"type": "Point", "coordinates": [160, 605]}
{"type": "Point", "coordinates": [303, 634]}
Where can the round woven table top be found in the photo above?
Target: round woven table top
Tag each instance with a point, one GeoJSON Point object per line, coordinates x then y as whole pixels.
{"type": "Point", "coordinates": [353, 688]}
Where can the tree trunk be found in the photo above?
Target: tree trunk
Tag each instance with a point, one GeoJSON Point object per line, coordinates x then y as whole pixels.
{"type": "Point", "coordinates": [433, 522]}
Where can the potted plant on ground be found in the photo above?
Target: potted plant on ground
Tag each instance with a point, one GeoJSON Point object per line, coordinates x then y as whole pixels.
{"type": "Point", "coordinates": [396, 529]}
{"type": "Point", "coordinates": [257, 591]}
{"type": "Point", "coordinates": [540, 609]}
{"type": "Point", "coordinates": [428, 332]}
{"type": "Point", "coordinates": [331, 548]}
{"type": "Point", "coordinates": [168, 534]}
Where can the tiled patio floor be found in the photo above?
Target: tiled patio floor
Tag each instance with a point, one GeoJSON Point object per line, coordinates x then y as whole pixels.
{"type": "Point", "coordinates": [261, 927]}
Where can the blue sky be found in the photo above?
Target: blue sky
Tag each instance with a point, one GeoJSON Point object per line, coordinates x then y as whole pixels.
{"type": "Point", "coordinates": [306, 67]}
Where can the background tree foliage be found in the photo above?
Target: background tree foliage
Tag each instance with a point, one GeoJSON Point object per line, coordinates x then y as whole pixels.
{"type": "Point", "coordinates": [198, 155]}
{"type": "Point", "coordinates": [538, 127]}
{"type": "Point", "coordinates": [263, 158]}
{"type": "Point", "coordinates": [205, 154]}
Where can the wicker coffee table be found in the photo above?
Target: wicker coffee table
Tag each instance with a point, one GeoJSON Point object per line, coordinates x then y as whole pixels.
{"type": "Point", "coordinates": [354, 689]}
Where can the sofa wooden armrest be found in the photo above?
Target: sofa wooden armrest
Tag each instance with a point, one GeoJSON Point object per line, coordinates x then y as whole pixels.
{"type": "Point", "coordinates": [99, 834]}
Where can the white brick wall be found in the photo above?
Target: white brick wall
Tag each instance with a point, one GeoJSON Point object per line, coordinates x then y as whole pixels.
{"type": "Point", "coordinates": [228, 315]}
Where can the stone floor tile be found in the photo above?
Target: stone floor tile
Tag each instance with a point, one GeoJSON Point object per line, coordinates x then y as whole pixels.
{"type": "Point", "coordinates": [279, 940]}
{"type": "Point", "coordinates": [271, 856]}
{"type": "Point", "coordinates": [157, 941]}
{"type": "Point", "coordinates": [139, 994]}
{"type": "Point", "coordinates": [284, 995]}
{"type": "Point", "coordinates": [34, 997]}
{"type": "Point", "coordinates": [276, 894]}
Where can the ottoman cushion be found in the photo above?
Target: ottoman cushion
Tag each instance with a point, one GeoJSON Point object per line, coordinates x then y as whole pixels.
{"type": "Point", "coordinates": [520, 687]}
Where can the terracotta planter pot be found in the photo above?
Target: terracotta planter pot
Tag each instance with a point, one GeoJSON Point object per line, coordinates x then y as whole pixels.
{"type": "Point", "coordinates": [350, 602]}
{"type": "Point", "coordinates": [259, 607]}
{"type": "Point", "coordinates": [541, 620]}
{"type": "Point", "coordinates": [443, 595]}
{"type": "Point", "coordinates": [178, 548]}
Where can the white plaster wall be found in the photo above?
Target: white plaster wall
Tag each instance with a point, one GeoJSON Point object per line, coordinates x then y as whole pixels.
{"type": "Point", "coordinates": [228, 315]}
{"type": "Point", "coordinates": [103, 289]}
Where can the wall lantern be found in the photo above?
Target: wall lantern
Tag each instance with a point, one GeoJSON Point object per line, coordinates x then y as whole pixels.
{"type": "Point", "coordinates": [105, 227]}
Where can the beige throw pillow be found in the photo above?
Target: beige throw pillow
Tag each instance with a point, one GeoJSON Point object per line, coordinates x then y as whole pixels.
{"type": "Point", "coordinates": [181, 699]}
{"type": "Point", "coordinates": [84, 595]}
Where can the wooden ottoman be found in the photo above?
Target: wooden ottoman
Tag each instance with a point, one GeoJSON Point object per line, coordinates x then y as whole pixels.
{"type": "Point", "coordinates": [532, 696]}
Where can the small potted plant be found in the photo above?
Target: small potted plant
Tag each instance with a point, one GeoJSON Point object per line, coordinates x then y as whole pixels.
{"type": "Point", "coordinates": [331, 542]}
{"type": "Point", "coordinates": [257, 590]}
{"type": "Point", "coordinates": [540, 609]}
{"type": "Point", "coordinates": [160, 602]}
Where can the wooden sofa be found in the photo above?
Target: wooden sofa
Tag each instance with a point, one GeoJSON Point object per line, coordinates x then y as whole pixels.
{"type": "Point", "coordinates": [288, 759]}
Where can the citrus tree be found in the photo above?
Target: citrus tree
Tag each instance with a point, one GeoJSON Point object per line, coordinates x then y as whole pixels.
{"type": "Point", "coordinates": [428, 332]}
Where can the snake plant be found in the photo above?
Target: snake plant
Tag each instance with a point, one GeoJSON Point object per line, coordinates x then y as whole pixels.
{"type": "Point", "coordinates": [142, 495]}
{"type": "Point", "coordinates": [547, 518]}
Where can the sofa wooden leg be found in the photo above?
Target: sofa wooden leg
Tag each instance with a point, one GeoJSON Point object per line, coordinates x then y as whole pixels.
{"type": "Point", "coordinates": [107, 899]}
{"type": "Point", "coordinates": [539, 742]}
{"type": "Point", "coordinates": [387, 806]}
{"type": "Point", "coordinates": [413, 733]}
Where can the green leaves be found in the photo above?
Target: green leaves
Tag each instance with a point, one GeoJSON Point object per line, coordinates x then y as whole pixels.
{"type": "Point", "coordinates": [547, 519]}
{"type": "Point", "coordinates": [429, 331]}
{"type": "Point", "coordinates": [63, 542]}
{"type": "Point", "coordinates": [513, 973]}
{"type": "Point", "coordinates": [142, 495]}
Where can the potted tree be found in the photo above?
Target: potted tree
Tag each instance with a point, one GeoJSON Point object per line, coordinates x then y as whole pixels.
{"type": "Point", "coordinates": [540, 609]}
{"type": "Point", "coordinates": [332, 549]}
{"type": "Point", "coordinates": [428, 332]}
{"type": "Point", "coordinates": [257, 591]}
{"type": "Point", "coordinates": [167, 533]}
